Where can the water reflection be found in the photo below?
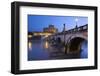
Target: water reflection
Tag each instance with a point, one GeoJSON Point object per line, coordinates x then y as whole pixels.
{"type": "Point", "coordinates": [46, 45]}
{"type": "Point", "coordinates": [43, 50]}
{"type": "Point", "coordinates": [30, 45]}
{"type": "Point", "coordinates": [84, 48]}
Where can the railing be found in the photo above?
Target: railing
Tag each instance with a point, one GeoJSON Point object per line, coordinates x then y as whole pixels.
{"type": "Point", "coordinates": [75, 30]}
{"type": "Point", "coordinates": [78, 29]}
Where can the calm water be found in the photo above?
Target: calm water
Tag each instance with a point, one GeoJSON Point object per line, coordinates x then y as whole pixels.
{"type": "Point", "coordinates": [84, 52]}
{"type": "Point", "coordinates": [42, 50]}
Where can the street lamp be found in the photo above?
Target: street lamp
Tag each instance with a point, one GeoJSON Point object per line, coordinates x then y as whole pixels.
{"type": "Point", "coordinates": [64, 32]}
{"type": "Point", "coordinates": [76, 20]}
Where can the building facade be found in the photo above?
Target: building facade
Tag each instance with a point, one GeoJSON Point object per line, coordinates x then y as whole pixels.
{"type": "Point", "coordinates": [50, 29]}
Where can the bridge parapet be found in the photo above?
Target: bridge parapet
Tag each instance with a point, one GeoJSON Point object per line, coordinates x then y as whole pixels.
{"type": "Point", "coordinates": [78, 29]}
{"type": "Point", "coordinates": [75, 30]}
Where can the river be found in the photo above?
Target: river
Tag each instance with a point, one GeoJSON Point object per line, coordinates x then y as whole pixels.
{"type": "Point", "coordinates": [42, 50]}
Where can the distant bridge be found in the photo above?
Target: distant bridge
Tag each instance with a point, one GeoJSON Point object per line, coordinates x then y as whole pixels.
{"type": "Point", "coordinates": [42, 34]}
{"type": "Point", "coordinates": [72, 38]}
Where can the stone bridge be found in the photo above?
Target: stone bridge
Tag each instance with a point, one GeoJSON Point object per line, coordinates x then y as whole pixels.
{"type": "Point", "coordinates": [72, 38]}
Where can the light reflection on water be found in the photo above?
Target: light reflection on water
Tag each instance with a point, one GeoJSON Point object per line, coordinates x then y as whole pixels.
{"type": "Point", "coordinates": [38, 51]}
{"type": "Point", "coordinates": [30, 45]}
{"type": "Point", "coordinates": [42, 50]}
{"type": "Point", "coordinates": [46, 45]}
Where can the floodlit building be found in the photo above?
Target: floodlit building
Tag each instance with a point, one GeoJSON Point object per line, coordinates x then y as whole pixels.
{"type": "Point", "coordinates": [50, 29]}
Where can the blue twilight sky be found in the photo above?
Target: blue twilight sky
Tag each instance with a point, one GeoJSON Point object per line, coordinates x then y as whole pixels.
{"type": "Point", "coordinates": [38, 22]}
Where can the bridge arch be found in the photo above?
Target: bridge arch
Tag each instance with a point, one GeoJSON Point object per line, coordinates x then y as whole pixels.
{"type": "Point", "coordinates": [74, 43]}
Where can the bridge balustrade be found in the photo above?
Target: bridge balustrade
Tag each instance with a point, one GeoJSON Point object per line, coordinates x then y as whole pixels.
{"type": "Point", "coordinates": [79, 29]}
